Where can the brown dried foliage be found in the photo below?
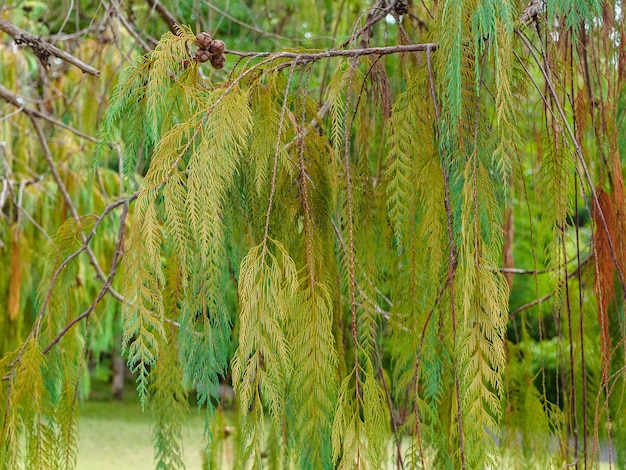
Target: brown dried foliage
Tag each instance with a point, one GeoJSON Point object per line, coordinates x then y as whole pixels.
{"type": "Point", "coordinates": [609, 248]}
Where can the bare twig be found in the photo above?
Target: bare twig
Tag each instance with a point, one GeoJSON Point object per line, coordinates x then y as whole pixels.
{"type": "Point", "coordinates": [85, 246]}
{"type": "Point", "coordinates": [551, 294]}
{"type": "Point", "coordinates": [43, 49]}
{"type": "Point", "coordinates": [116, 11]}
{"type": "Point", "coordinates": [164, 13]}
{"type": "Point", "coordinates": [315, 56]}
{"type": "Point", "coordinates": [105, 287]}
{"type": "Point", "coordinates": [7, 188]}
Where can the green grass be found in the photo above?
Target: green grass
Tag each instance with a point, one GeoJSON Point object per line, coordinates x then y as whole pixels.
{"type": "Point", "coordinates": [117, 435]}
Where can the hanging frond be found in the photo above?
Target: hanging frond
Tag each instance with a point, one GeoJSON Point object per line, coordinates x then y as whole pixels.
{"type": "Point", "coordinates": [168, 403]}
{"type": "Point", "coordinates": [314, 374]}
{"type": "Point", "coordinates": [267, 287]}
{"type": "Point", "coordinates": [358, 440]}
{"type": "Point", "coordinates": [483, 291]}
{"type": "Point", "coordinates": [143, 302]}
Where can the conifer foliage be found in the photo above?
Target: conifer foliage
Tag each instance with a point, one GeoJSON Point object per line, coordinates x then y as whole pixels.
{"type": "Point", "coordinates": [340, 261]}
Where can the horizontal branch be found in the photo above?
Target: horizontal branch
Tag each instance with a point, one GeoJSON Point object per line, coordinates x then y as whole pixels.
{"type": "Point", "coordinates": [43, 49]}
{"type": "Point", "coordinates": [314, 56]}
{"type": "Point", "coordinates": [551, 294]}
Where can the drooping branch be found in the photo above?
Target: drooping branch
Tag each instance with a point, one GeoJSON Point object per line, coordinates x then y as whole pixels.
{"type": "Point", "coordinates": [452, 263]}
{"type": "Point", "coordinates": [68, 200]}
{"type": "Point", "coordinates": [42, 49]}
{"type": "Point", "coordinates": [107, 283]}
{"type": "Point", "coordinates": [105, 288]}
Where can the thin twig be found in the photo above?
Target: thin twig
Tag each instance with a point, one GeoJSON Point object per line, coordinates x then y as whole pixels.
{"type": "Point", "coordinates": [347, 126]}
{"type": "Point", "coordinates": [114, 264]}
{"type": "Point", "coordinates": [579, 155]}
{"type": "Point", "coordinates": [164, 13]}
{"type": "Point", "coordinates": [84, 247]}
{"type": "Point", "coordinates": [550, 295]}
{"type": "Point", "coordinates": [42, 48]}
{"type": "Point", "coordinates": [61, 267]}
{"type": "Point", "coordinates": [68, 200]}
{"type": "Point", "coordinates": [315, 56]}
{"type": "Point", "coordinates": [281, 122]}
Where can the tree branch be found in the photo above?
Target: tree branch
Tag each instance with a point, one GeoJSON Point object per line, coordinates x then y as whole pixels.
{"type": "Point", "coordinates": [84, 247]}
{"type": "Point", "coordinates": [164, 13]}
{"type": "Point", "coordinates": [105, 287]}
{"type": "Point", "coordinates": [315, 56]}
{"type": "Point", "coordinates": [551, 294]}
{"type": "Point", "coordinates": [70, 204]}
{"type": "Point", "coordinates": [42, 49]}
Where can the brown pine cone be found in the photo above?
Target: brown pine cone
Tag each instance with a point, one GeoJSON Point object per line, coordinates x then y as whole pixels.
{"type": "Point", "coordinates": [204, 40]}
{"type": "Point", "coordinates": [202, 55]}
{"type": "Point", "coordinates": [218, 47]}
{"type": "Point", "coordinates": [217, 61]}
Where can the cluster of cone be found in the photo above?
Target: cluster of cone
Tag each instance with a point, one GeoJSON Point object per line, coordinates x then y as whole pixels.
{"type": "Point", "coordinates": [210, 50]}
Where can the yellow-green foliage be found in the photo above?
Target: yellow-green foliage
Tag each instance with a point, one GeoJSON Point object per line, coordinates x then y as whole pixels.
{"type": "Point", "coordinates": [341, 265]}
{"type": "Point", "coordinates": [483, 294]}
{"type": "Point", "coordinates": [359, 428]}
{"type": "Point", "coordinates": [268, 286]}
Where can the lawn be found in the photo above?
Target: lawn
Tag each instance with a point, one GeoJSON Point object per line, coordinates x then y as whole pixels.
{"type": "Point", "coordinates": [117, 435]}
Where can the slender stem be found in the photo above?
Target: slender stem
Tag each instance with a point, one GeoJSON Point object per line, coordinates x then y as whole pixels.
{"type": "Point", "coordinates": [315, 56]}
{"type": "Point", "coordinates": [579, 155]}
{"type": "Point", "coordinates": [351, 245]}
{"type": "Point", "coordinates": [281, 122]}
{"type": "Point", "coordinates": [164, 13]}
{"type": "Point", "coordinates": [42, 48]}
{"type": "Point", "coordinates": [114, 264]}
{"type": "Point", "coordinates": [582, 334]}
{"type": "Point", "coordinates": [452, 265]}
{"type": "Point", "coordinates": [541, 300]}
{"type": "Point", "coordinates": [573, 408]}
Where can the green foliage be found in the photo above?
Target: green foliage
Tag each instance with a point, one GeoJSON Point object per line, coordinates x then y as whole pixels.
{"type": "Point", "coordinates": [268, 285]}
{"type": "Point", "coordinates": [168, 402]}
{"type": "Point", "coordinates": [342, 263]}
{"type": "Point", "coordinates": [359, 429]}
{"type": "Point", "coordinates": [314, 380]}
